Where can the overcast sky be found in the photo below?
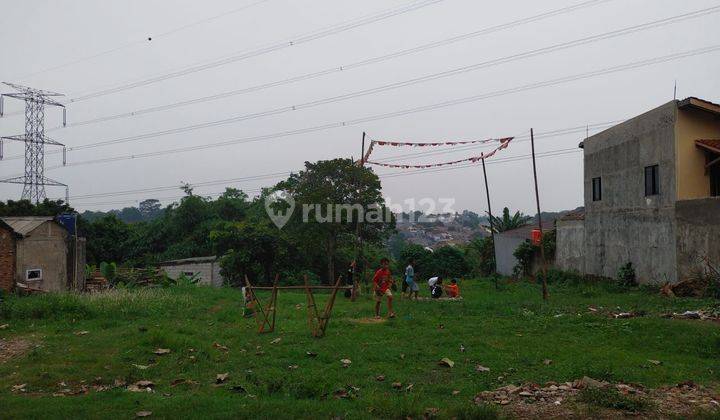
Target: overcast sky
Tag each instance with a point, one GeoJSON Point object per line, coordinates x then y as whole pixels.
{"type": "Point", "coordinates": [47, 44]}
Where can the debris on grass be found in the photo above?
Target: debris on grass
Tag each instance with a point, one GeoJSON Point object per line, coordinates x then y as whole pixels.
{"type": "Point", "coordinates": [446, 362]}
{"type": "Point", "coordinates": [547, 362]}
{"type": "Point", "coordinates": [380, 378]}
{"type": "Point", "coordinates": [161, 352]}
{"type": "Point", "coordinates": [221, 377]}
{"type": "Point", "coordinates": [293, 367]}
{"type": "Point", "coordinates": [277, 340]}
{"type": "Point", "coordinates": [481, 368]}
{"type": "Point", "coordinates": [143, 414]}
{"type": "Point", "coordinates": [397, 385]}
{"type": "Point", "coordinates": [311, 354]}
{"type": "Point", "coordinates": [78, 333]}
{"type": "Point", "coordinates": [142, 367]}
{"type": "Point", "coordinates": [142, 386]}
{"type": "Point", "coordinates": [655, 362]}
{"type": "Point", "coordinates": [462, 348]}
{"type": "Point", "coordinates": [346, 362]}
{"type": "Point", "coordinates": [4, 326]}
{"type": "Point", "coordinates": [220, 346]}
{"type": "Point", "coordinates": [19, 388]}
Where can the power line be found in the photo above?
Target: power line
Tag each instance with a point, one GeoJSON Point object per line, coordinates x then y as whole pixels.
{"type": "Point", "coordinates": [142, 41]}
{"type": "Point", "coordinates": [440, 105]}
{"type": "Point", "coordinates": [540, 135]}
{"type": "Point", "coordinates": [300, 39]}
{"type": "Point", "coordinates": [324, 72]}
{"type": "Point", "coordinates": [552, 153]}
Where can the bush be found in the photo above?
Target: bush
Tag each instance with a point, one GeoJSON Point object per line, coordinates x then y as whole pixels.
{"type": "Point", "coordinates": [556, 276]}
{"type": "Point", "coordinates": [525, 253]}
{"type": "Point", "coordinates": [626, 276]}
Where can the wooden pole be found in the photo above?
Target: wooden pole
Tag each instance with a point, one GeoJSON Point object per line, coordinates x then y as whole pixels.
{"type": "Point", "coordinates": [537, 200]}
{"type": "Point", "coordinates": [490, 216]}
{"type": "Point", "coordinates": [358, 252]}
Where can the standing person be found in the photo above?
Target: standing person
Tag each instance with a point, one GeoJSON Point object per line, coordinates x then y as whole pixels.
{"type": "Point", "coordinates": [412, 287]}
{"type": "Point", "coordinates": [381, 287]}
{"type": "Point", "coordinates": [350, 279]}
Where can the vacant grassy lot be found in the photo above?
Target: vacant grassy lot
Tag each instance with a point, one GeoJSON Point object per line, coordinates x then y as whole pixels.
{"type": "Point", "coordinates": [73, 353]}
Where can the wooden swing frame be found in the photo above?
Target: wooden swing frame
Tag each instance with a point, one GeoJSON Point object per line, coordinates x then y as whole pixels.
{"type": "Point", "coordinates": [317, 321]}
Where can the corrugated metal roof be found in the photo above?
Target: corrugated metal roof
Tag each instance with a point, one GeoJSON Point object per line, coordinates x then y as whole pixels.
{"type": "Point", "coordinates": [24, 225]}
{"type": "Point", "coordinates": [709, 144]}
{"type": "Point", "coordinates": [195, 260]}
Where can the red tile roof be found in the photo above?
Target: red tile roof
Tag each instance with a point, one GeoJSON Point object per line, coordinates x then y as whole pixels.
{"type": "Point", "coordinates": [710, 144]}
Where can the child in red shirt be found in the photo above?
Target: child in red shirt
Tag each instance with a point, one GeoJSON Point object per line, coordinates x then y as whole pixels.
{"type": "Point", "coordinates": [382, 281]}
{"type": "Point", "coordinates": [452, 289]}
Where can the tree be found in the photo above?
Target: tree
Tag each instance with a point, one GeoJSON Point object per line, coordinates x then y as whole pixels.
{"type": "Point", "coordinates": [330, 197]}
{"type": "Point", "coordinates": [150, 209]}
{"type": "Point", "coordinates": [106, 239]}
{"type": "Point", "coordinates": [246, 247]}
{"type": "Point", "coordinates": [506, 222]}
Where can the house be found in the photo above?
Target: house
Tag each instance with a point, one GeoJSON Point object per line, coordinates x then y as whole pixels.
{"type": "Point", "coordinates": [42, 254]}
{"type": "Point", "coordinates": [205, 269]}
{"type": "Point", "coordinates": [652, 196]}
{"type": "Point", "coordinates": [505, 245]}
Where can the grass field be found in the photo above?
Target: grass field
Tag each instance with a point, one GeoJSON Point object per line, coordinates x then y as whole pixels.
{"type": "Point", "coordinates": [510, 331]}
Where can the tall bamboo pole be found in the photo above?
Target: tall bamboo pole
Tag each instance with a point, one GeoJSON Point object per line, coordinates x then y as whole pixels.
{"type": "Point", "coordinates": [537, 200]}
{"type": "Point", "coordinates": [490, 216]}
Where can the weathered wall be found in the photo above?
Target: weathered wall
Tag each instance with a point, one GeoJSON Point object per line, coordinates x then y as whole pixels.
{"type": "Point", "coordinates": [207, 273]}
{"type": "Point", "coordinates": [698, 234]}
{"type": "Point", "coordinates": [626, 226]}
{"type": "Point", "coordinates": [7, 259]}
{"type": "Point", "coordinates": [570, 245]}
{"type": "Point", "coordinates": [505, 245]}
{"type": "Point", "coordinates": [693, 124]}
{"type": "Point", "coordinates": [44, 248]}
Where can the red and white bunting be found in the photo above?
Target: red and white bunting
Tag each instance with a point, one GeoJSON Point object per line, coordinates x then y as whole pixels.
{"type": "Point", "coordinates": [436, 144]}
{"type": "Point", "coordinates": [504, 143]}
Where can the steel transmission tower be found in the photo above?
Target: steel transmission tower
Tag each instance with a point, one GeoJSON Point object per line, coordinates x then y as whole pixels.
{"type": "Point", "coordinates": [34, 180]}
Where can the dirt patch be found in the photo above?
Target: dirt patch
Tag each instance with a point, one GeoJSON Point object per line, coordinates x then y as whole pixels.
{"type": "Point", "coordinates": [589, 398]}
{"type": "Point", "coordinates": [11, 348]}
{"type": "Point", "coordinates": [367, 320]}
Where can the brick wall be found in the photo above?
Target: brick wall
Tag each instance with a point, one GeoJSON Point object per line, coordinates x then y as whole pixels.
{"type": "Point", "coordinates": [7, 259]}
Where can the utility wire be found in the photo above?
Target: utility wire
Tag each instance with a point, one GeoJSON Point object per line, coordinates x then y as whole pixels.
{"type": "Point", "coordinates": [346, 67]}
{"type": "Point", "coordinates": [538, 135]}
{"type": "Point", "coordinates": [300, 39]}
{"type": "Point", "coordinates": [440, 105]}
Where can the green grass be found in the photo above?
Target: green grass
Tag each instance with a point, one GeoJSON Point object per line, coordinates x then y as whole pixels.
{"type": "Point", "coordinates": [511, 331]}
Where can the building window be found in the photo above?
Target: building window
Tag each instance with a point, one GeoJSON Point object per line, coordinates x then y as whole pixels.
{"type": "Point", "coordinates": [34, 274]}
{"type": "Point", "coordinates": [652, 180]}
{"type": "Point", "coordinates": [597, 189]}
{"type": "Point", "coordinates": [715, 180]}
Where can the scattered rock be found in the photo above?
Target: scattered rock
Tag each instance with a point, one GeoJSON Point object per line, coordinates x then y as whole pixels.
{"type": "Point", "coordinates": [142, 386]}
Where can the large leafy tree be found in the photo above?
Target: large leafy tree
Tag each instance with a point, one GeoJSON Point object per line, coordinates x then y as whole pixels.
{"type": "Point", "coordinates": [324, 227]}
{"type": "Point", "coordinates": [508, 222]}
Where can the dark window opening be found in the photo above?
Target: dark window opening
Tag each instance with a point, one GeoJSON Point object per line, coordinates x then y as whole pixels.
{"type": "Point", "coordinates": [34, 274]}
{"type": "Point", "coordinates": [652, 180]}
{"type": "Point", "coordinates": [715, 180]}
{"type": "Point", "coordinates": [596, 189]}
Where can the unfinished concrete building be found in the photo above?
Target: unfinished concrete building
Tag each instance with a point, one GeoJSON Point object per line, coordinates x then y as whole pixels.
{"type": "Point", "coordinates": [206, 270]}
{"type": "Point", "coordinates": [652, 196]}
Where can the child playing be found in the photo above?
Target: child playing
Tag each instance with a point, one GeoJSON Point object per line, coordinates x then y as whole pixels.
{"type": "Point", "coordinates": [452, 289]}
{"type": "Point", "coordinates": [381, 287]}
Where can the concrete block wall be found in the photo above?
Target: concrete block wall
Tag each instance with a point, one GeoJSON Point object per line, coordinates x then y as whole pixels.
{"type": "Point", "coordinates": [626, 226]}
{"type": "Point", "coordinates": [698, 234]}
{"type": "Point", "coordinates": [570, 249]}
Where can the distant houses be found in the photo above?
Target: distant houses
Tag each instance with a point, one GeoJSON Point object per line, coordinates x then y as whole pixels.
{"type": "Point", "coordinates": [652, 196]}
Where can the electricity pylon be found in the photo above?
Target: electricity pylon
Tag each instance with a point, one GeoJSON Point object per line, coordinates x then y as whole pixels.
{"type": "Point", "coordinates": [34, 180]}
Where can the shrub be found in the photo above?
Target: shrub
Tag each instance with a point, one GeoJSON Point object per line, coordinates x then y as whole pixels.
{"type": "Point", "coordinates": [626, 276]}
{"type": "Point", "coordinates": [525, 253]}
